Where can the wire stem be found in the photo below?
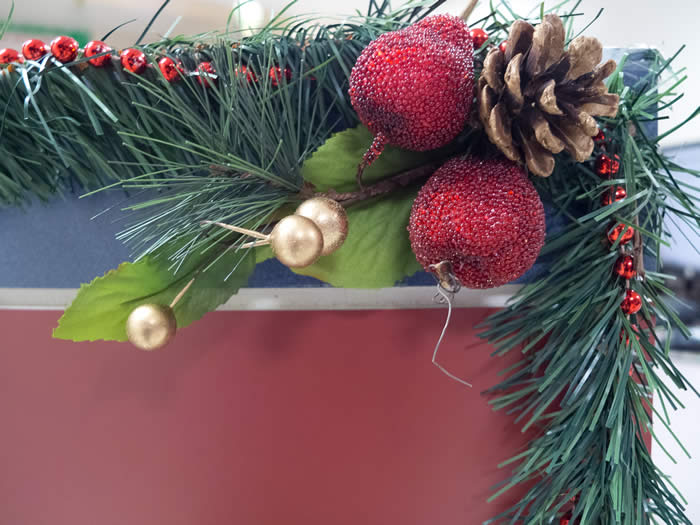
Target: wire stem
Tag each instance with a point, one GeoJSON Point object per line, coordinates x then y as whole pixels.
{"type": "Point", "coordinates": [244, 231]}
{"type": "Point", "coordinates": [182, 293]}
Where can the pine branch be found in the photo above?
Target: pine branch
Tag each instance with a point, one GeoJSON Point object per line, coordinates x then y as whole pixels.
{"type": "Point", "coordinates": [574, 381]}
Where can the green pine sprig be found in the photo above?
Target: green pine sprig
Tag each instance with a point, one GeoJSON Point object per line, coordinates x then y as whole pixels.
{"type": "Point", "coordinates": [589, 373]}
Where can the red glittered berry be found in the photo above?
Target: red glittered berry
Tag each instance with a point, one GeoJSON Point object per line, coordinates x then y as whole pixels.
{"type": "Point", "coordinates": [618, 194]}
{"type": "Point", "coordinates": [600, 137]}
{"type": "Point", "coordinates": [413, 87]}
{"type": "Point", "coordinates": [206, 74]}
{"type": "Point", "coordinates": [97, 47]}
{"type": "Point", "coordinates": [483, 216]}
{"type": "Point", "coordinates": [170, 69]}
{"type": "Point", "coordinates": [624, 267]}
{"type": "Point", "coordinates": [65, 49]}
{"type": "Point", "coordinates": [277, 76]}
{"type": "Point", "coordinates": [449, 28]}
{"type": "Point", "coordinates": [34, 49]}
{"type": "Point", "coordinates": [503, 46]}
{"type": "Point", "coordinates": [134, 60]}
{"type": "Point", "coordinates": [632, 303]}
{"type": "Point", "coordinates": [10, 56]}
{"type": "Point", "coordinates": [479, 37]}
{"type": "Point", "coordinates": [606, 166]}
{"type": "Point", "coordinates": [615, 233]}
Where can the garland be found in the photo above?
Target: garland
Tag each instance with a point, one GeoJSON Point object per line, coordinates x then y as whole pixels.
{"type": "Point", "coordinates": [220, 141]}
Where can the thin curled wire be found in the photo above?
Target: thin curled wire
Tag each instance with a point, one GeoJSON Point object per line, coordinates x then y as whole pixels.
{"type": "Point", "coordinates": [441, 297]}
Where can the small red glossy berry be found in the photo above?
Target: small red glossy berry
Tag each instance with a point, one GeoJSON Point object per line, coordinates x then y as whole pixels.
{"type": "Point", "coordinates": [618, 194]}
{"type": "Point", "coordinates": [624, 267]}
{"type": "Point", "coordinates": [503, 46]}
{"type": "Point", "coordinates": [206, 74]}
{"type": "Point", "coordinates": [484, 217]}
{"type": "Point", "coordinates": [10, 56]}
{"type": "Point", "coordinates": [65, 49]}
{"type": "Point", "coordinates": [134, 60]}
{"type": "Point", "coordinates": [479, 37]}
{"type": "Point", "coordinates": [34, 49]}
{"type": "Point", "coordinates": [617, 231]}
{"type": "Point", "coordinates": [172, 72]}
{"type": "Point", "coordinates": [243, 70]}
{"type": "Point", "coordinates": [606, 166]}
{"type": "Point", "coordinates": [97, 48]}
{"type": "Point", "coordinates": [632, 303]}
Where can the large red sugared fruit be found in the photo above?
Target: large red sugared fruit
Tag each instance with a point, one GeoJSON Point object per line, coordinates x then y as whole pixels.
{"type": "Point", "coordinates": [413, 87]}
{"type": "Point", "coordinates": [483, 216]}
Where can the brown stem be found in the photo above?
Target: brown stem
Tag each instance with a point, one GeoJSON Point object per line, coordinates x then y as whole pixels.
{"type": "Point", "coordinates": [638, 250]}
{"type": "Point", "coordinates": [217, 170]}
{"type": "Point", "coordinates": [468, 10]}
{"type": "Point", "coordinates": [380, 188]}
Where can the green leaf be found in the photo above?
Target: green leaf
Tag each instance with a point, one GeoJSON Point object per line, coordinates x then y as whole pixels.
{"type": "Point", "coordinates": [100, 310]}
{"type": "Point", "coordinates": [377, 252]}
{"type": "Point", "coordinates": [334, 165]}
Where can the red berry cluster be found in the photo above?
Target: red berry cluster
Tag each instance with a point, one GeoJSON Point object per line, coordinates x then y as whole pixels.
{"type": "Point", "coordinates": [607, 166]}
{"type": "Point", "coordinates": [66, 49]}
{"type": "Point", "coordinates": [483, 216]}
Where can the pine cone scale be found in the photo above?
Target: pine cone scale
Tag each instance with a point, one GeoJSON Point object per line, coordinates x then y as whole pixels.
{"type": "Point", "coordinates": [519, 39]}
{"type": "Point", "coordinates": [494, 69]}
{"type": "Point", "coordinates": [584, 53]}
{"type": "Point", "coordinates": [512, 82]}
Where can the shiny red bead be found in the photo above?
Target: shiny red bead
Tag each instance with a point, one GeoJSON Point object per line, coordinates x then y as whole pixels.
{"type": "Point", "coordinates": [134, 60]}
{"type": "Point", "coordinates": [618, 194]}
{"type": "Point", "coordinates": [65, 49]}
{"type": "Point", "coordinates": [478, 36]}
{"type": "Point", "coordinates": [34, 49]}
{"type": "Point", "coordinates": [606, 166]}
{"type": "Point", "coordinates": [503, 46]}
{"type": "Point", "coordinates": [97, 48]}
{"type": "Point", "coordinates": [276, 75]}
{"type": "Point", "coordinates": [207, 74]}
{"type": "Point", "coordinates": [243, 70]}
{"type": "Point", "coordinates": [624, 267]}
{"type": "Point", "coordinates": [617, 231]}
{"type": "Point", "coordinates": [632, 303]}
{"type": "Point", "coordinates": [10, 56]}
{"type": "Point", "coordinates": [170, 69]}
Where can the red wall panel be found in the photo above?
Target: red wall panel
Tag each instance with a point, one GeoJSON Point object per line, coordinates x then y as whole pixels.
{"type": "Point", "coordinates": [253, 418]}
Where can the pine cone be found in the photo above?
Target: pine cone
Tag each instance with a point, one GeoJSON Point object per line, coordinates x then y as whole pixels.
{"type": "Point", "coordinates": [537, 99]}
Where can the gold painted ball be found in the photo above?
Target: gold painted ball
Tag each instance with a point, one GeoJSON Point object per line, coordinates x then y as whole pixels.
{"type": "Point", "coordinates": [296, 241]}
{"type": "Point", "coordinates": [151, 326]}
{"type": "Point", "coordinates": [331, 219]}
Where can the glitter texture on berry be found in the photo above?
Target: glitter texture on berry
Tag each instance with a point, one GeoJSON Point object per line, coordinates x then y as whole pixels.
{"type": "Point", "coordinates": [414, 86]}
{"type": "Point", "coordinates": [484, 216]}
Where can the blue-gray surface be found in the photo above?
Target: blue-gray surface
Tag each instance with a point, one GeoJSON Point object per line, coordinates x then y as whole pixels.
{"type": "Point", "coordinates": [57, 245]}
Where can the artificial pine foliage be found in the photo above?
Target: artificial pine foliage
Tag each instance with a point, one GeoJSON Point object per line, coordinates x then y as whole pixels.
{"type": "Point", "coordinates": [269, 122]}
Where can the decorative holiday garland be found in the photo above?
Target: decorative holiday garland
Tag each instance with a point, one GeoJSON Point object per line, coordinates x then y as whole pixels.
{"type": "Point", "coordinates": [238, 151]}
